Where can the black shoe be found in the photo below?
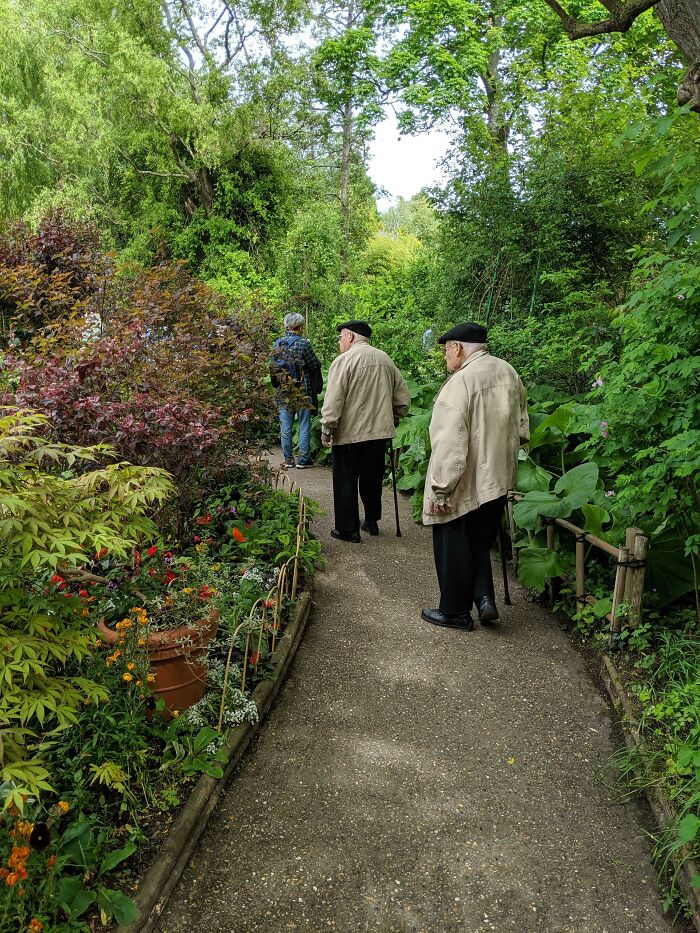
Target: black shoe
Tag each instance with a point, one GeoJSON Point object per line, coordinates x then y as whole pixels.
{"type": "Point", "coordinates": [372, 528]}
{"type": "Point", "coordinates": [352, 536]}
{"type": "Point", "coordinates": [436, 617]}
{"type": "Point", "coordinates": [486, 607]}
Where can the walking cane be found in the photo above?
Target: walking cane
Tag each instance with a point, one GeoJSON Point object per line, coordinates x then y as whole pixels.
{"type": "Point", "coordinates": [393, 483]}
{"type": "Point", "coordinates": [502, 546]}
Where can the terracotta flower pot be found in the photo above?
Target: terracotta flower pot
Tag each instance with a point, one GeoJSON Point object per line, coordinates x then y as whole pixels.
{"type": "Point", "coordinates": [175, 657]}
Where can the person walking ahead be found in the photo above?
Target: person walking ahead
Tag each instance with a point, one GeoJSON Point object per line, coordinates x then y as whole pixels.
{"type": "Point", "coordinates": [365, 397]}
{"type": "Point", "coordinates": [478, 423]}
{"type": "Point", "coordinates": [296, 375]}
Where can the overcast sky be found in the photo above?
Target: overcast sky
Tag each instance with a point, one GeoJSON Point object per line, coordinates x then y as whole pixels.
{"type": "Point", "coordinates": [404, 164]}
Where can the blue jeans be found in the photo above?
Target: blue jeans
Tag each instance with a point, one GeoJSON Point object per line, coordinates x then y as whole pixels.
{"type": "Point", "coordinates": [287, 429]}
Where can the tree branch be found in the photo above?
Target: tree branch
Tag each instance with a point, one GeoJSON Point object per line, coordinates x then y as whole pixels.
{"type": "Point", "coordinates": [622, 15]}
{"type": "Point", "coordinates": [193, 29]}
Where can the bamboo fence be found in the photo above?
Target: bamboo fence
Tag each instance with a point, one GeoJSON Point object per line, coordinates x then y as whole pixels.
{"type": "Point", "coordinates": [630, 560]}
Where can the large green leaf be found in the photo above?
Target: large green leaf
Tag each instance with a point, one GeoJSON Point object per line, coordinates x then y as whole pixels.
{"type": "Point", "coordinates": [117, 905]}
{"type": "Point", "coordinates": [578, 485]}
{"type": "Point", "coordinates": [536, 565]}
{"type": "Point", "coordinates": [527, 512]}
{"type": "Point", "coordinates": [531, 476]}
{"type": "Point", "coordinates": [112, 859]}
{"type": "Point", "coordinates": [669, 571]}
{"type": "Point", "coordinates": [72, 895]}
{"type": "Point", "coordinates": [595, 517]}
{"type": "Point", "coordinates": [552, 429]}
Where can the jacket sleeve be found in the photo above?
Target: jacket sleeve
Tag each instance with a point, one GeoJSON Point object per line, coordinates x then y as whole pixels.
{"type": "Point", "coordinates": [449, 439]}
{"type": "Point", "coordinates": [401, 401]}
{"type": "Point", "coordinates": [334, 401]}
{"type": "Point", "coordinates": [524, 417]}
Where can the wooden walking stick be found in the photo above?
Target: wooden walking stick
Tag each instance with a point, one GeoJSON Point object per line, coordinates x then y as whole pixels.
{"type": "Point", "coordinates": [393, 483]}
{"type": "Point", "coordinates": [504, 568]}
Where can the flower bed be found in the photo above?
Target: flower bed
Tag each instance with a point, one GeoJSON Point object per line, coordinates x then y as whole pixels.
{"type": "Point", "coordinates": [112, 775]}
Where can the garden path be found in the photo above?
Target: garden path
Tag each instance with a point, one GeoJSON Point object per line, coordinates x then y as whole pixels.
{"type": "Point", "coordinates": [411, 778]}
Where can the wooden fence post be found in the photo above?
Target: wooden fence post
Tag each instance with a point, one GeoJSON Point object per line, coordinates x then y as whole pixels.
{"type": "Point", "coordinates": [618, 593]}
{"type": "Point", "coordinates": [635, 591]}
{"type": "Point", "coordinates": [550, 545]}
{"type": "Point", "coordinates": [580, 571]}
{"type": "Point", "coordinates": [630, 535]}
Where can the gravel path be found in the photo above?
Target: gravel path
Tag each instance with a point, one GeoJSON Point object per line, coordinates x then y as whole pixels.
{"type": "Point", "coordinates": [411, 778]}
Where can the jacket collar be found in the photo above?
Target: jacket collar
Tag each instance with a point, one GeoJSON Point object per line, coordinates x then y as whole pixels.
{"type": "Point", "coordinates": [474, 356]}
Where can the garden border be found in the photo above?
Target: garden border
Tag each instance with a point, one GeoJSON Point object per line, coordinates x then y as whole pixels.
{"type": "Point", "coordinates": [660, 805]}
{"type": "Point", "coordinates": [161, 878]}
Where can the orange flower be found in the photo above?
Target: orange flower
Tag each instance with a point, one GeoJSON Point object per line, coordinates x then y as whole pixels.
{"type": "Point", "coordinates": [4, 872]}
{"type": "Point", "coordinates": [141, 642]}
{"type": "Point", "coordinates": [36, 926]}
{"type": "Point", "coordinates": [127, 677]}
{"type": "Point", "coordinates": [176, 713]}
{"type": "Point", "coordinates": [51, 862]}
{"type": "Point", "coordinates": [254, 657]}
{"type": "Point", "coordinates": [63, 806]}
{"type": "Point", "coordinates": [203, 519]}
{"type": "Point", "coordinates": [24, 827]}
{"type": "Point", "coordinates": [238, 535]}
{"type": "Point", "coordinates": [19, 856]}
{"type": "Point", "coordinates": [130, 666]}
{"type": "Point", "coordinates": [12, 879]}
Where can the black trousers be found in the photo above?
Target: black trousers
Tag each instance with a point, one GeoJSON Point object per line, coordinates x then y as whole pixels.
{"type": "Point", "coordinates": [462, 558]}
{"type": "Point", "coordinates": [357, 466]}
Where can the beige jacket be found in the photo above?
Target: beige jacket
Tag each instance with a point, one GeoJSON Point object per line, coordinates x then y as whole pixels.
{"type": "Point", "coordinates": [479, 422]}
{"type": "Point", "coordinates": [364, 392]}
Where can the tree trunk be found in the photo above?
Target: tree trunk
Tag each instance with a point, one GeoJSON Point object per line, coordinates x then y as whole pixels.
{"type": "Point", "coordinates": [345, 186]}
{"type": "Point", "coordinates": [681, 20]}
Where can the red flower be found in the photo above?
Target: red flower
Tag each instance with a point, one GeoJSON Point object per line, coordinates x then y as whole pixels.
{"type": "Point", "coordinates": [56, 579]}
{"type": "Point", "coordinates": [254, 657]}
{"type": "Point", "coordinates": [238, 535]}
{"type": "Point", "coordinates": [137, 557]}
{"type": "Point", "coordinates": [152, 551]}
{"type": "Point", "coordinates": [203, 519]}
{"type": "Point", "coordinates": [83, 594]}
{"type": "Point", "coordinates": [169, 577]}
{"type": "Point", "coordinates": [101, 553]}
{"type": "Point", "coordinates": [197, 539]}
{"type": "Point", "coordinates": [151, 572]}
{"type": "Point", "coordinates": [205, 592]}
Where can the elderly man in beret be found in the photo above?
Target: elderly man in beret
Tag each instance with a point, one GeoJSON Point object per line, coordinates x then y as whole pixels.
{"type": "Point", "coordinates": [365, 397]}
{"type": "Point", "coordinates": [478, 423]}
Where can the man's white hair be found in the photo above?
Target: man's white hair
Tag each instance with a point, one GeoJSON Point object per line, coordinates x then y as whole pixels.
{"type": "Point", "coordinates": [470, 348]}
{"type": "Point", "coordinates": [293, 320]}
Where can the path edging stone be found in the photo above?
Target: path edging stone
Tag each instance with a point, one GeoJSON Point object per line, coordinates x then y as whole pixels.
{"type": "Point", "coordinates": [163, 875]}
{"type": "Point", "coordinates": [660, 806]}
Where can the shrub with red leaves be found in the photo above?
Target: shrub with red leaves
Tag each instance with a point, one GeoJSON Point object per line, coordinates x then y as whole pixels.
{"type": "Point", "coordinates": [149, 361]}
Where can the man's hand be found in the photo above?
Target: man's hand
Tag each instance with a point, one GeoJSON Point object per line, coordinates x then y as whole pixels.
{"type": "Point", "coordinates": [439, 508]}
{"type": "Point", "coordinates": [326, 440]}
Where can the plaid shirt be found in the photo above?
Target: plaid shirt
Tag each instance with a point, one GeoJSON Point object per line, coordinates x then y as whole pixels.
{"type": "Point", "coordinates": [302, 351]}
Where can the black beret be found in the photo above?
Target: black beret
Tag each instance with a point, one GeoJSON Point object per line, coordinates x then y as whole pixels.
{"type": "Point", "coordinates": [357, 327]}
{"type": "Point", "coordinates": [465, 333]}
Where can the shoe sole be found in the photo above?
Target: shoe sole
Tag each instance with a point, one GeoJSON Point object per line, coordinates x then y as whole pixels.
{"type": "Point", "coordinates": [369, 531]}
{"type": "Point", "coordinates": [490, 620]}
{"type": "Point", "coordinates": [304, 466]}
{"type": "Point", "coordinates": [462, 628]}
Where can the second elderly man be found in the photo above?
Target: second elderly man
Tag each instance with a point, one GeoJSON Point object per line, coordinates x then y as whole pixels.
{"type": "Point", "coordinates": [365, 396]}
{"type": "Point", "coordinates": [479, 422]}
